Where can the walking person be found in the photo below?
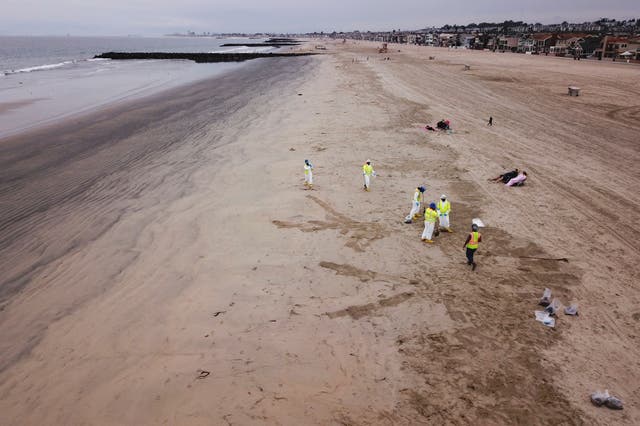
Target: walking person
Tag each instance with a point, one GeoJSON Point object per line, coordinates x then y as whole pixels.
{"type": "Point", "coordinates": [430, 217]}
{"type": "Point", "coordinates": [367, 172]}
{"type": "Point", "coordinates": [415, 205]}
{"type": "Point", "coordinates": [490, 123]}
{"type": "Point", "coordinates": [308, 174]}
{"type": "Point", "coordinates": [444, 208]}
{"type": "Point", "coordinates": [471, 245]}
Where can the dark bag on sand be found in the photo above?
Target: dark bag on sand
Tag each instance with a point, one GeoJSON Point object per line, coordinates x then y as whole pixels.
{"type": "Point", "coordinates": [508, 176]}
{"type": "Point", "coordinates": [603, 398]}
{"type": "Point", "coordinates": [613, 403]}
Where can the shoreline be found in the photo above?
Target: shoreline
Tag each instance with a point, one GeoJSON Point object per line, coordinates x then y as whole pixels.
{"type": "Point", "coordinates": [38, 153]}
{"type": "Point", "coordinates": [65, 86]}
{"type": "Point", "coordinates": [55, 97]}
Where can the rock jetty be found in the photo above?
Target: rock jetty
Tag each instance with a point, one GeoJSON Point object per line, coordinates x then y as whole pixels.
{"type": "Point", "coordinates": [197, 57]}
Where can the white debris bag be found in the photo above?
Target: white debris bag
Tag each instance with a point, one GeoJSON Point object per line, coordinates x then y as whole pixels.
{"type": "Point", "coordinates": [545, 318]}
{"type": "Point", "coordinates": [477, 221]}
{"type": "Point", "coordinates": [545, 300]}
{"type": "Point", "coordinates": [603, 398]}
{"type": "Point", "coordinates": [599, 398]}
{"type": "Point", "coordinates": [571, 310]}
{"type": "Point", "coordinates": [553, 307]}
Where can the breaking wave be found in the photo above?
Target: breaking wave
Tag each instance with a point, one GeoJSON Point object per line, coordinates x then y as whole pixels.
{"type": "Point", "coordinates": [39, 68]}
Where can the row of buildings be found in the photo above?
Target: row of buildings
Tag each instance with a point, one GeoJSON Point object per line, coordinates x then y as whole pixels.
{"type": "Point", "coordinates": [604, 39]}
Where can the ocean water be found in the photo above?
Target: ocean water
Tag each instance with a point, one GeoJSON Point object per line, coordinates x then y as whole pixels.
{"type": "Point", "coordinates": [28, 54]}
{"type": "Point", "coordinates": [44, 79]}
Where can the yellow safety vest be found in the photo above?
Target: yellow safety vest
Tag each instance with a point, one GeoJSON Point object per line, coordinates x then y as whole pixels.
{"type": "Point", "coordinates": [367, 169]}
{"type": "Point", "coordinates": [430, 216]}
{"type": "Point", "coordinates": [417, 196]}
{"type": "Point", "coordinates": [445, 207]}
{"type": "Point", "coordinates": [473, 241]}
{"type": "Point", "coordinates": [307, 169]}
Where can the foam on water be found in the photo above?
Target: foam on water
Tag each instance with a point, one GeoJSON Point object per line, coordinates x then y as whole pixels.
{"type": "Point", "coordinates": [38, 68]}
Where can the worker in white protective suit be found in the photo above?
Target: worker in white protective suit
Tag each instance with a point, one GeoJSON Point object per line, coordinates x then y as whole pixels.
{"type": "Point", "coordinates": [415, 205]}
{"type": "Point", "coordinates": [367, 172]}
{"type": "Point", "coordinates": [430, 218]}
{"type": "Point", "coordinates": [444, 209]}
{"type": "Point", "coordinates": [308, 174]}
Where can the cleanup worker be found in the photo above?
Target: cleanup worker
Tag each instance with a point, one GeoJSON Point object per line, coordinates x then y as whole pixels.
{"type": "Point", "coordinates": [367, 172]}
{"type": "Point", "coordinates": [415, 205]}
{"type": "Point", "coordinates": [471, 244]}
{"type": "Point", "coordinates": [444, 208]}
{"type": "Point", "coordinates": [430, 217]}
{"type": "Point", "coordinates": [308, 174]}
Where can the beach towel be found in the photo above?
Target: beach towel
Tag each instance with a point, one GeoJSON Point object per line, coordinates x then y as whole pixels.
{"type": "Point", "coordinates": [518, 180]}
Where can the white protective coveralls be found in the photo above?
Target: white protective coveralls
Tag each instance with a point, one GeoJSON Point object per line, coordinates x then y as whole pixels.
{"type": "Point", "coordinates": [444, 209]}
{"type": "Point", "coordinates": [367, 171]}
{"type": "Point", "coordinates": [415, 206]}
{"type": "Point", "coordinates": [308, 173]}
{"type": "Point", "coordinates": [430, 217]}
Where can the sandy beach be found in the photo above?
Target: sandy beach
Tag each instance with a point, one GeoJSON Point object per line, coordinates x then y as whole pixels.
{"type": "Point", "coordinates": [162, 262]}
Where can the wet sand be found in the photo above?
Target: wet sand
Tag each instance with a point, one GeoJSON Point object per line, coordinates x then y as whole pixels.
{"type": "Point", "coordinates": [34, 99]}
{"type": "Point", "coordinates": [144, 244]}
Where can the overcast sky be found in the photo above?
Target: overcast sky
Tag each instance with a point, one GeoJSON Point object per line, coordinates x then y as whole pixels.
{"type": "Point", "coordinates": [156, 17]}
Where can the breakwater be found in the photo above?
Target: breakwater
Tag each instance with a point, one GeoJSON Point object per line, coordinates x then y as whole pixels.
{"type": "Point", "coordinates": [197, 57]}
{"type": "Point", "coordinates": [272, 42]}
{"type": "Point", "coordinates": [260, 44]}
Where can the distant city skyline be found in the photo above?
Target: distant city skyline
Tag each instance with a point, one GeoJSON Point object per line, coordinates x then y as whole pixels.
{"type": "Point", "coordinates": [157, 17]}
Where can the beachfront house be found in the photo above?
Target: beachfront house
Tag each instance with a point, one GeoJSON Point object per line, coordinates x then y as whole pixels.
{"type": "Point", "coordinates": [491, 42]}
{"type": "Point", "coordinates": [398, 37]}
{"type": "Point", "coordinates": [612, 47]}
{"type": "Point", "coordinates": [543, 42]}
{"type": "Point", "coordinates": [568, 44]}
{"type": "Point", "coordinates": [428, 39]}
{"type": "Point", "coordinates": [446, 40]}
{"type": "Point", "coordinates": [508, 43]}
{"type": "Point", "coordinates": [467, 40]}
{"type": "Point", "coordinates": [421, 37]}
{"type": "Point", "coordinates": [590, 44]}
{"type": "Point", "coordinates": [526, 44]}
{"type": "Point", "coordinates": [481, 41]}
{"type": "Point", "coordinates": [633, 47]}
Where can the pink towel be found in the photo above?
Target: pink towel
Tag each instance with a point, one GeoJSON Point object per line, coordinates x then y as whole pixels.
{"type": "Point", "coordinates": [517, 179]}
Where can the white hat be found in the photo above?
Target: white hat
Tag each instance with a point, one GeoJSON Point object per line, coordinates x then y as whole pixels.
{"type": "Point", "coordinates": [368, 161]}
{"type": "Point", "coordinates": [443, 196]}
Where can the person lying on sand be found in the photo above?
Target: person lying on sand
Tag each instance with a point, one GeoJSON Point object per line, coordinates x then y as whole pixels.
{"type": "Point", "coordinates": [518, 180]}
{"type": "Point", "coordinates": [505, 177]}
{"type": "Point", "coordinates": [443, 124]}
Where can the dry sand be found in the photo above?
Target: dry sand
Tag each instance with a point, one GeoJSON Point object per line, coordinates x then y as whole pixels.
{"type": "Point", "coordinates": [181, 239]}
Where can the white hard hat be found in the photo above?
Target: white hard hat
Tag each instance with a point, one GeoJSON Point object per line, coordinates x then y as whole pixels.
{"type": "Point", "coordinates": [368, 161]}
{"type": "Point", "coordinates": [443, 196]}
